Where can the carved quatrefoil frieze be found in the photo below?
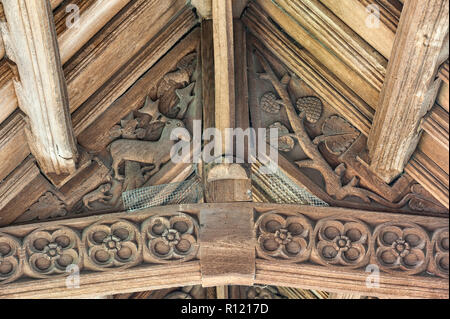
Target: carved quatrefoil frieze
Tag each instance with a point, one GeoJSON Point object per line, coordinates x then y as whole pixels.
{"type": "Point", "coordinates": [440, 245]}
{"type": "Point", "coordinates": [398, 248]}
{"type": "Point", "coordinates": [102, 246]}
{"type": "Point", "coordinates": [342, 241]}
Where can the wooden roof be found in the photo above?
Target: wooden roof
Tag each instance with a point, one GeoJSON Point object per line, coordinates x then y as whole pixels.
{"type": "Point", "coordinates": [359, 96]}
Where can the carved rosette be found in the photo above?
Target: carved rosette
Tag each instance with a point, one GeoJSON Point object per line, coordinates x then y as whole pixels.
{"type": "Point", "coordinates": [170, 238]}
{"type": "Point", "coordinates": [439, 245]}
{"type": "Point", "coordinates": [51, 251]}
{"type": "Point", "coordinates": [10, 261]}
{"type": "Point", "coordinates": [286, 238]}
{"type": "Point", "coordinates": [116, 244]}
{"type": "Point", "coordinates": [401, 247]}
{"type": "Point", "coordinates": [343, 242]}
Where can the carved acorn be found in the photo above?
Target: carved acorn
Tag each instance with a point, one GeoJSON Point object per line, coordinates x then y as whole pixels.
{"type": "Point", "coordinates": [312, 106]}
{"type": "Point", "coordinates": [270, 103]}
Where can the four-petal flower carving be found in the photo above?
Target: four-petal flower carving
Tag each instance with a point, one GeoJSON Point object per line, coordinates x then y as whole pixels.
{"type": "Point", "coordinates": [284, 237]}
{"type": "Point", "coordinates": [52, 251]}
{"type": "Point", "coordinates": [342, 242]}
{"type": "Point", "coordinates": [401, 247]}
{"type": "Point", "coordinates": [112, 245]}
{"type": "Point", "coordinates": [171, 237]}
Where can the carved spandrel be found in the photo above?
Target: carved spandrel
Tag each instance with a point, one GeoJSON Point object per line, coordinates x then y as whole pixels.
{"type": "Point", "coordinates": [323, 146]}
{"type": "Point", "coordinates": [98, 183]}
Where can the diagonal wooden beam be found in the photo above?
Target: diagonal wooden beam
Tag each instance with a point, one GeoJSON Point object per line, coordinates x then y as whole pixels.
{"type": "Point", "coordinates": [30, 40]}
{"type": "Point", "coordinates": [410, 87]}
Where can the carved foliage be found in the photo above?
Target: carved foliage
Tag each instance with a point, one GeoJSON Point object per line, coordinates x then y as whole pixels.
{"type": "Point", "coordinates": [101, 246]}
{"type": "Point", "coordinates": [395, 247]}
{"type": "Point", "coordinates": [337, 136]}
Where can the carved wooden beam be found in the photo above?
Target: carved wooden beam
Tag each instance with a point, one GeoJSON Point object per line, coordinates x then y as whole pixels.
{"type": "Point", "coordinates": [410, 87]}
{"type": "Point", "coordinates": [331, 249]}
{"type": "Point", "coordinates": [29, 31]}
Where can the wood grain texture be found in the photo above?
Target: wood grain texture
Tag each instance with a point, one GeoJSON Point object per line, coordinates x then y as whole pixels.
{"type": "Point", "coordinates": [13, 143]}
{"type": "Point", "coordinates": [91, 21]}
{"type": "Point", "coordinates": [275, 231]}
{"type": "Point", "coordinates": [41, 91]}
{"type": "Point", "coordinates": [225, 95]}
{"type": "Point", "coordinates": [208, 75]}
{"type": "Point", "coordinates": [335, 36]}
{"type": "Point", "coordinates": [138, 64]}
{"type": "Point", "coordinates": [132, 29]}
{"type": "Point", "coordinates": [355, 15]}
{"type": "Point", "coordinates": [326, 85]}
{"type": "Point", "coordinates": [26, 179]}
{"type": "Point", "coordinates": [432, 177]}
{"type": "Point", "coordinates": [8, 100]}
{"type": "Point", "coordinates": [227, 254]}
{"type": "Point", "coordinates": [302, 35]}
{"type": "Point", "coordinates": [436, 124]}
{"type": "Point", "coordinates": [410, 87]}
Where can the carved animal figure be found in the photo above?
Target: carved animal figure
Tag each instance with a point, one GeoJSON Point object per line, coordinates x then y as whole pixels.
{"type": "Point", "coordinates": [146, 152]}
{"type": "Point", "coordinates": [98, 195]}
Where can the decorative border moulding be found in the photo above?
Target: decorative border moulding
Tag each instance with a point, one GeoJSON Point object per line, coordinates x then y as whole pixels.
{"type": "Point", "coordinates": [299, 246]}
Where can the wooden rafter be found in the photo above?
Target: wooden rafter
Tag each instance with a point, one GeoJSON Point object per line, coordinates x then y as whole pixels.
{"type": "Point", "coordinates": [410, 87]}
{"type": "Point", "coordinates": [29, 31]}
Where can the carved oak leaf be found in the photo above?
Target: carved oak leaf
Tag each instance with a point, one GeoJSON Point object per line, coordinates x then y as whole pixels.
{"type": "Point", "coordinates": [312, 106]}
{"type": "Point", "coordinates": [285, 142]}
{"type": "Point", "coordinates": [338, 135]}
{"type": "Point", "coordinates": [270, 103]}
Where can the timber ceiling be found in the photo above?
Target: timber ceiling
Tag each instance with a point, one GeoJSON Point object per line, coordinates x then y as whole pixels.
{"type": "Point", "coordinates": [132, 62]}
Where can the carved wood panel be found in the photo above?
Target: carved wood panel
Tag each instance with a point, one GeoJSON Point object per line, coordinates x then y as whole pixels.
{"type": "Point", "coordinates": [325, 151]}
{"type": "Point", "coordinates": [293, 244]}
{"type": "Point", "coordinates": [134, 147]}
